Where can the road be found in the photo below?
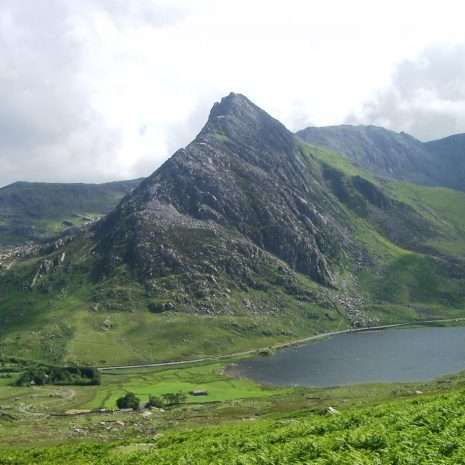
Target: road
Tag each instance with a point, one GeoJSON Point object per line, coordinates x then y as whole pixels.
{"type": "Point", "coordinates": [213, 358]}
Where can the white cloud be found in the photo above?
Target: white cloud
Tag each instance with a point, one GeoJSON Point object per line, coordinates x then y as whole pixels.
{"type": "Point", "coordinates": [425, 98]}
{"type": "Point", "coordinates": [105, 89]}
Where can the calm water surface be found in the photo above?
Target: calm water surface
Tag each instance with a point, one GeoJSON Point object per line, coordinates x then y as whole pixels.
{"type": "Point", "coordinates": [414, 354]}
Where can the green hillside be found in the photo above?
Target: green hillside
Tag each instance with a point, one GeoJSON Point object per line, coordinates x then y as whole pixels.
{"type": "Point", "coordinates": [416, 270]}
{"type": "Point", "coordinates": [33, 210]}
{"type": "Point", "coordinates": [69, 316]}
{"type": "Point", "coordinates": [426, 430]}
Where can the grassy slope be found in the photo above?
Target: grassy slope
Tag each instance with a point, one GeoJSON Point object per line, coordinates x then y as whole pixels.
{"type": "Point", "coordinates": [57, 320]}
{"type": "Point", "coordinates": [444, 207]}
{"type": "Point", "coordinates": [404, 284]}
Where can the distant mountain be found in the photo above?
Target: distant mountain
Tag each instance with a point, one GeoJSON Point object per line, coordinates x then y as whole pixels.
{"type": "Point", "coordinates": [395, 155]}
{"type": "Point", "coordinates": [449, 153]}
{"type": "Point", "coordinates": [246, 237]}
{"type": "Point", "coordinates": [33, 210]}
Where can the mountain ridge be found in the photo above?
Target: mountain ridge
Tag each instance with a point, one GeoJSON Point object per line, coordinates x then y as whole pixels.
{"type": "Point", "coordinates": [38, 210]}
{"type": "Point", "coordinates": [395, 155]}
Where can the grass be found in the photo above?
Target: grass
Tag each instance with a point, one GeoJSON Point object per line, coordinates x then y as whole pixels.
{"type": "Point", "coordinates": [35, 411]}
{"type": "Point", "coordinates": [55, 225]}
{"type": "Point", "coordinates": [407, 279]}
{"type": "Point", "coordinates": [336, 160]}
{"type": "Point", "coordinates": [442, 207]}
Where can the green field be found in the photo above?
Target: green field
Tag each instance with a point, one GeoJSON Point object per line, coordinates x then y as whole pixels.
{"type": "Point", "coordinates": [144, 382]}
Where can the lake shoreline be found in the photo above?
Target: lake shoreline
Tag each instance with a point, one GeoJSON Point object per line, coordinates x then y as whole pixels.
{"type": "Point", "coordinates": [278, 346]}
{"type": "Point", "coordinates": [423, 354]}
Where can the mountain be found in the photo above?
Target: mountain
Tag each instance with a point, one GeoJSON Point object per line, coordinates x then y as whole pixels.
{"type": "Point", "coordinates": [395, 155]}
{"type": "Point", "coordinates": [246, 237]}
{"type": "Point", "coordinates": [243, 187]}
{"type": "Point", "coordinates": [450, 153]}
{"type": "Point", "coordinates": [33, 210]}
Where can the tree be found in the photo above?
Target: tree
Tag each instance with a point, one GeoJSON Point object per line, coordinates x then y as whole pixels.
{"type": "Point", "coordinates": [35, 375]}
{"type": "Point", "coordinates": [174, 398]}
{"type": "Point", "coordinates": [130, 400]}
{"type": "Point", "coordinates": [155, 401]}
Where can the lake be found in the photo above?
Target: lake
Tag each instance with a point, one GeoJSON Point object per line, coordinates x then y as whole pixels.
{"type": "Point", "coordinates": [413, 354]}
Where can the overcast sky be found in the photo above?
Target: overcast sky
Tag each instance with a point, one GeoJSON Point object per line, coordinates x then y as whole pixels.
{"type": "Point", "coordinates": [96, 90]}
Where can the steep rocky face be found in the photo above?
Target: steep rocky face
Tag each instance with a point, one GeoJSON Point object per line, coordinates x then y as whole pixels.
{"type": "Point", "coordinates": [383, 152]}
{"type": "Point", "coordinates": [241, 191]}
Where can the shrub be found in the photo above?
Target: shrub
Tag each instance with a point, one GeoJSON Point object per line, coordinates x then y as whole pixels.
{"type": "Point", "coordinates": [155, 401]}
{"type": "Point", "coordinates": [130, 400]}
{"type": "Point", "coordinates": [174, 398]}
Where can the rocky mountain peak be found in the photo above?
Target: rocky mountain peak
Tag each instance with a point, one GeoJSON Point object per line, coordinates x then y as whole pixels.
{"type": "Point", "coordinates": [236, 119]}
{"type": "Point", "coordinates": [231, 104]}
{"type": "Point", "coordinates": [243, 180]}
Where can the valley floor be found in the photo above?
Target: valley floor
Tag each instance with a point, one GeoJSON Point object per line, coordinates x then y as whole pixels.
{"type": "Point", "coordinates": [238, 422]}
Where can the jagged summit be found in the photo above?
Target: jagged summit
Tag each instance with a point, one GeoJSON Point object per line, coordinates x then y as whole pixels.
{"type": "Point", "coordinates": [237, 106]}
{"type": "Point", "coordinates": [236, 118]}
{"type": "Point", "coordinates": [231, 104]}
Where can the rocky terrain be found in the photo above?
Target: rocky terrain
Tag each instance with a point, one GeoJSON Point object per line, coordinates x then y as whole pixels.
{"type": "Point", "coordinates": [9, 255]}
{"type": "Point", "coordinates": [241, 194]}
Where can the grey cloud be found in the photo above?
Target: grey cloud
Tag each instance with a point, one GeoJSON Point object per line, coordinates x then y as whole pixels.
{"type": "Point", "coordinates": [146, 11]}
{"type": "Point", "coordinates": [298, 117]}
{"type": "Point", "coordinates": [48, 128]}
{"type": "Point", "coordinates": [178, 135]}
{"type": "Point", "coordinates": [181, 134]}
{"type": "Point", "coordinates": [46, 124]}
{"type": "Point", "coordinates": [426, 97]}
